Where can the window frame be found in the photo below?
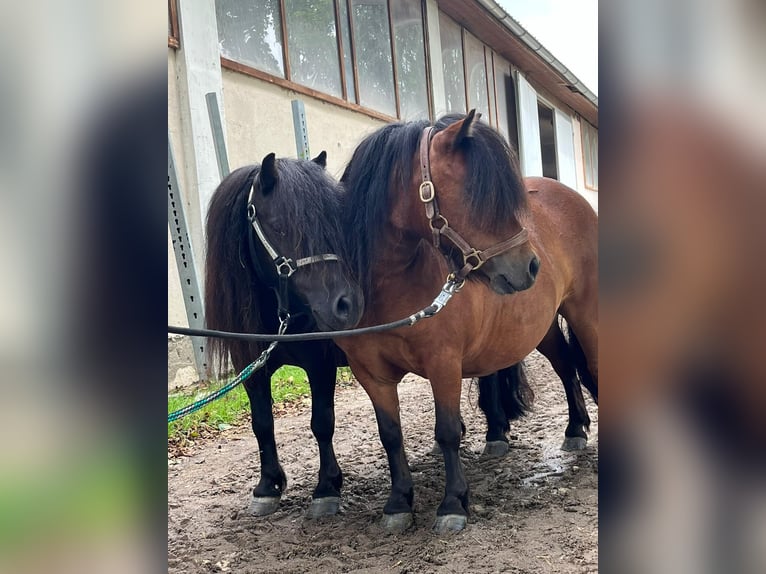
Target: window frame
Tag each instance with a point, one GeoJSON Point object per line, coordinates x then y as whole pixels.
{"type": "Point", "coordinates": [174, 40]}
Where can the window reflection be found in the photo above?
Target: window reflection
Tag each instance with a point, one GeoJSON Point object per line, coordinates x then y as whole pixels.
{"type": "Point", "coordinates": [477, 76]}
{"type": "Point", "coordinates": [251, 33]}
{"type": "Point", "coordinates": [452, 64]}
{"type": "Point", "coordinates": [373, 55]}
{"type": "Point", "coordinates": [410, 58]}
{"type": "Point", "coordinates": [313, 45]}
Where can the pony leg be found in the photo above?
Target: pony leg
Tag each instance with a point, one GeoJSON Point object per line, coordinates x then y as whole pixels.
{"type": "Point", "coordinates": [451, 516]}
{"type": "Point", "coordinates": [555, 348]}
{"type": "Point", "coordinates": [397, 513]}
{"type": "Point", "coordinates": [326, 497]}
{"type": "Point", "coordinates": [268, 492]}
{"type": "Point", "coordinates": [503, 397]}
{"type": "Point", "coordinates": [497, 422]}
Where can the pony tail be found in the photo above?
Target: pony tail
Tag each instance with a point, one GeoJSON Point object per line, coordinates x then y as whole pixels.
{"type": "Point", "coordinates": [230, 296]}
{"type": "Point", "coordinates": [516, 396]}
{"type": "Point", "coordinates": [505, 396]}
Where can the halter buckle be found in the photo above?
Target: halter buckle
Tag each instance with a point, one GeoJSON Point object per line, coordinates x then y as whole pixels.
{"type": "Point", "coordinates": [427, 192]}
{"type": "Point", "coordinates": [284, 266]}
{"type": "Point", "coordinates": [250, 212]}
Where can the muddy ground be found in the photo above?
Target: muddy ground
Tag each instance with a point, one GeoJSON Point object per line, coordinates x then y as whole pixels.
{"type": "Point", "coordinates": [534, 511]}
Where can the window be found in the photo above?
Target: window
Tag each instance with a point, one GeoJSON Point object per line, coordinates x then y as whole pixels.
{"type": "Point", "coordinates": [452, 63]}
{"type": "Point", "coordinates": [410, 59]}
{"type": "Point", "coordinates": [313, 42]}
{"type": "Point", "coordinates": [488, 58]}
{"type": "Point", "coordinates": [368, 53]}
{"type": "Point", "coordinates": [372, 34]}
{"type": "Point", "coordinates": [251, 33]}
{"type": "Point", "coordinates": [476, 76]}
{"type": "Point", "coordinates": [547, 140]}
{"type": "Point", "coordinates": [590, 153]}
{"type": "Point", "coordinates": [507, 117]}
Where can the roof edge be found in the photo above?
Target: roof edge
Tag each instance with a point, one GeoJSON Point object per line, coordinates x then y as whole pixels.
{"type": "Point", "coordinates": [513, 25]}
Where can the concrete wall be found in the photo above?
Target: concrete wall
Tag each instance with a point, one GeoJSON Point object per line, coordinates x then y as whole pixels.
{"type": "Point", "coordinates": [259, 121]}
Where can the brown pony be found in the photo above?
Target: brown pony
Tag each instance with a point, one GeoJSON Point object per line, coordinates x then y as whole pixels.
{"type": "Point", "coordinates": [510, 303]}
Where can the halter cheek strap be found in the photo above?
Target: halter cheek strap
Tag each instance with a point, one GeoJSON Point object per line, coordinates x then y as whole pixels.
{"type": "Point", "coordinates": [472, 258]}
{"type": "Point", "coordinates": [285, 266]}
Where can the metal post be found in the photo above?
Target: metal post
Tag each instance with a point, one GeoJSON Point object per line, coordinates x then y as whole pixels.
{"type": "Point", "coordinates": [185, 261]}
{"type": "Point", "coordinates": [301, 130]}
{"type": "Point", "coordinates": [216, 127]}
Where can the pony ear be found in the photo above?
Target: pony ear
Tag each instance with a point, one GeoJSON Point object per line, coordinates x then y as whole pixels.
{"type": "Point", "coordinates": [268, 176]}
{"type": "Point", "coordinates": [321, 159]}
{"type": "Point", "coordinates": [463, 129]}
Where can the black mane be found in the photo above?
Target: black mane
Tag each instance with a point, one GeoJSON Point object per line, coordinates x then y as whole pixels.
{"type": "Point", "coordinates": [383, 164]}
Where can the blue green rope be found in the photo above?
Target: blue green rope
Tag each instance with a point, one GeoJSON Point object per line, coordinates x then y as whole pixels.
{"type": "Point", "coordinates": [198, 404]}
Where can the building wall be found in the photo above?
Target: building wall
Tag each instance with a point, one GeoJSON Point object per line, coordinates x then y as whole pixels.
{"type": "Point", "coordinates": [257, 118]}
{"type": "Point", "coordinates": [259, 121]}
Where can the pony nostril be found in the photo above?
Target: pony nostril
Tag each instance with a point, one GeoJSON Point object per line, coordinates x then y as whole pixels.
{"type": "Point", "coordinates": [534, 266]}
{"type": "Point", "coordinates": [342, 307]}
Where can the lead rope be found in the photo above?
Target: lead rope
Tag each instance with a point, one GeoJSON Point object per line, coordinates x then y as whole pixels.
{"type": "Point", "coordinates": [241, 377]}
{"type": "Point", "coordinates": [452, 286]}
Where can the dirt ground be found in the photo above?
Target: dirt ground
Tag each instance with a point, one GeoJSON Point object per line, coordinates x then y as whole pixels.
{"type": "Point", "coordinates": [534, 511]}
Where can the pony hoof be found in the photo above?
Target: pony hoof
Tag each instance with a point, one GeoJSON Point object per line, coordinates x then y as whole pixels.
{"type": "Point", "coordinates": [263, 505]}
{"type": "Point", "coordinates": [436, 450]}
{"type": "Point", "coordinates": [397, 523]}
{"type": "Point", "coordinates": [325, 506]}
{"type": "Point", "coordinates": [496, 449]}
{"type": "Point", "coordinates": [574, 443]}
{"type": "Point", "coordinates": [449, 523]}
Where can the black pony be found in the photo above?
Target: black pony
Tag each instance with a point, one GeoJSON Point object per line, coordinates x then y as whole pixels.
{"type": "Point", "coordinates": [296, 204]}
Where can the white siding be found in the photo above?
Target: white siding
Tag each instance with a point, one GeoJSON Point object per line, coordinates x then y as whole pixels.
{"type": "Point", "coordinates": [565, 150]}
{"type": "Point", "coordinates": [529, 129]}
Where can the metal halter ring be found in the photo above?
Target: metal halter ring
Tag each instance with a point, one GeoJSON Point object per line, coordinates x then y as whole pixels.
{"type": "Point", "coordinates": [475, 255]}
{"type": "Point", "coordinates": [250, 211]}
{"type": "Point", "coordinates": [429, 187]}
{"type": "Point", "coordinates": [441, 218]}
{"type": "Point", "coordinates": [284, 266]}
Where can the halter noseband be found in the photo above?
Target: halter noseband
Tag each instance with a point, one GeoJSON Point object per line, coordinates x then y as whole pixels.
{"type": "Point", "coordinates": [285, 266]}
{"type": "Point", "coordinates": [472, 258]}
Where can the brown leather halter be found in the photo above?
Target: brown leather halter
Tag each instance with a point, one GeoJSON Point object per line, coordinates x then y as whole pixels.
{"type": "Point", "coordinates": [472, 258]}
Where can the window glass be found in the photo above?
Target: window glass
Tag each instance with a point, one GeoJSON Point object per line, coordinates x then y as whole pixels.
{"type": "Point", "coordinates": [491, 83]}
{"type": "Point", "coordinates": [251, 33]}
{"type": "Point", "coordinates": [477, 76]}
{"type": "Point", "coordinates": [452, 62]}
{"type": "Point", "coordinates": [590, 148]}
{"type": "Point", "coordinates": [507, 121]}
{"type": "Point", "coordinates": [312, 45]}
{"type": "Point", "coordinates": [373, 55]}
{"type": "Point", "coordinates": [348, 62]}
{"type": "Point", "coordinates": [410, 59]}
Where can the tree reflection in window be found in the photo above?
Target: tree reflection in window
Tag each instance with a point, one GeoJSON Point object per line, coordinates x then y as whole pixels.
{"type": "Point", "coordinates": [251, 33]}
{"type": "Point", "coordinates": [410, 58]}
{"type": "Point", "coordinates": [373, 55]}
{"type": "Point", "coordinates": [313, 45]}
{"type": "Point", "coordinates": [477, 76]}
{"type": "Point", "coordinates": [452, 64]}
